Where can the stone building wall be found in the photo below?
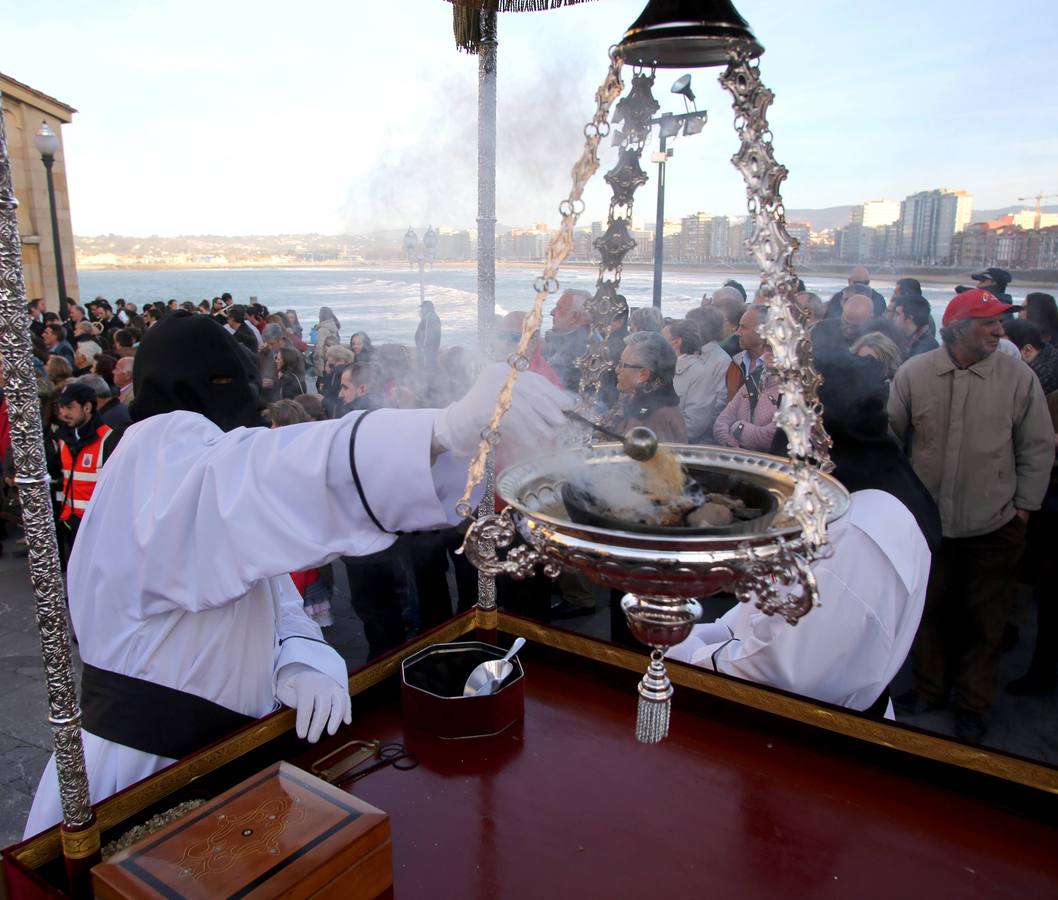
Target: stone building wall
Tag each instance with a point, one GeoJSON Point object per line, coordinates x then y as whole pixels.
{"type": "Point", "coordinates": [24, 110]}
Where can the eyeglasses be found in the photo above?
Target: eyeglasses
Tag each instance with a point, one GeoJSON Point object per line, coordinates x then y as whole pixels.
{"type": "Point", "coordinates": [624, 365]}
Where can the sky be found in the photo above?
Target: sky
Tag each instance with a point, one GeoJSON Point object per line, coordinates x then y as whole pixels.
{"type": "Point", "coordinates": [264, 117]}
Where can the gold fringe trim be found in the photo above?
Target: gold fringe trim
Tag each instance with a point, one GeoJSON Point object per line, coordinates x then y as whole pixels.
{"type": "Point", "coordinates": [517, 5]}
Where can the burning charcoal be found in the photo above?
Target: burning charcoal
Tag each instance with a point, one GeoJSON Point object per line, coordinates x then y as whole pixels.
{"type": "Point", "coordinates": [710, 515]}
{"type": "Point", "coordinates": [727, 500]}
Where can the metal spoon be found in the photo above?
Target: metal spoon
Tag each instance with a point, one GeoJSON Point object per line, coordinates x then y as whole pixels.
{"type": "Point", "coordinates": [488, 676]}
{"type": "Point", "coordinates": [640, 443]}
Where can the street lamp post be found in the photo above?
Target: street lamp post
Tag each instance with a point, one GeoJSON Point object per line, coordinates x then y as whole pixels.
{"type": "Point", "coordinates": [421, 253]}
{"type": "Point", "coordinates": [669, 126]}
{"type": "Point", "coordinates": [48, 145]}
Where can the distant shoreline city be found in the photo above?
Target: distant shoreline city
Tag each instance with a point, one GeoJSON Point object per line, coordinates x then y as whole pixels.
{"type": "Point", "coordinates": [927, 235]}
{"type": "Point", "coordinates": [940, 275]}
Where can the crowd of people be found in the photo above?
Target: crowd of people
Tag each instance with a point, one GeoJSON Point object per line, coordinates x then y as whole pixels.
{"type": "Point", "coordinates": [85, 372]}
{"type": "Point", "coordinates": [971, 405]}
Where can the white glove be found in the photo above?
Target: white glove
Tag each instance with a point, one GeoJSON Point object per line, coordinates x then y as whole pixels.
{"type": "Point", "coordinates": [534, 420]}
{"type": "Point", "coordinates": [318, 698]}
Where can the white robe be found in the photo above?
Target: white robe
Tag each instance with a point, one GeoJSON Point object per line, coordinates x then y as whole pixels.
{"type": "Point", "coordinates": [180, 571]}
{"type": "Point", "coordinates": [847, 649]}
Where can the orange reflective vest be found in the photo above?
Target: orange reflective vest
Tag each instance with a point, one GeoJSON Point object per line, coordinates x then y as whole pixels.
{"type": "Point", "coordinates": [79, 475]}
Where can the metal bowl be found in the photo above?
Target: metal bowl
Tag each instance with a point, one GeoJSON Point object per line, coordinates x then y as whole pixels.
{"type": "Point", "coordinates": [586, 509]}
{"type": "Point", "coordinates": [664, 564]}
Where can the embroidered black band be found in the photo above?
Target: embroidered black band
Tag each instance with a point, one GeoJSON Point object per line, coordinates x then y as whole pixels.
{"type": "Point", "coordinates": [152, 717]}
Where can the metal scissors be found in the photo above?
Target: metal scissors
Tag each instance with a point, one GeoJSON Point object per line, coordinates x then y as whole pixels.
{"type": "Point", "coordinates": [388, 755]}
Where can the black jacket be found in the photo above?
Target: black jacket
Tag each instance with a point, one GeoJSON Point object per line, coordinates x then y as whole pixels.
{"type": "Point", "coordinates": [922, 344]}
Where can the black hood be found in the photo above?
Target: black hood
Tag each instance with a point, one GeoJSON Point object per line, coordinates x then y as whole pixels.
{"type": "Point", "coordinates": [854, 397]}
{"type": "Point", "coordinates": [191, 363]}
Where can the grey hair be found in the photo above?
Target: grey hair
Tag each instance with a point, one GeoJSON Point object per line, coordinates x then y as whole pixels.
{"type": "Point", "coordinates": [951, 333]}
{"type": "Point", "coordinates": [654, 353]}
{"type": "Point", "coordinates": [729, 294]}
{"type": "Point", "coordinates": [762, 310]}
{"type": "Point", "coordinates": [272, 332]}
{"type": "Point", "coordinates": [339, 355]}
{"type": "Point", "coordinates": [89, 350]}
{"type": "Point", "coordinates": [710, 322]}
{"type": "Point", "coordinates": [646, 318]}
{"type": "Point", "coordinates": [98, 384]}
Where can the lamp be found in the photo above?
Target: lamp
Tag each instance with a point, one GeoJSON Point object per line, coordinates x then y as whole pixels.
{"type": "Point", "coordinates": [669, 126]}
{"type": "Point", "coordinates": [672, 34]}
{"type": "Point", "coordinates": [694, 125]}
{"type": "Point", "coordinates": [411, 241]}
{"type": "Point", "coordinates": [420, 254]}
{"type": "Point", "coordinates": [46, 140]}
{"type": "Point", "coordinates": [47, 143]}
{"type": "Point", "coordinates": [429, 242]}
{"type": "Point", "coordinates": [682, 86]}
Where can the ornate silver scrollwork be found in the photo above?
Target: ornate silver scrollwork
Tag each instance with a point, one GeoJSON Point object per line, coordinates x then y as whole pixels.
{"type": "Point", "coordinates": [801, 416]}
{"type": "Point", "coordinates": [781, 583]}
{"type": "Point", "coordinates": [490, 534]}
{"type": "Point", "coordinates": [558, 249]}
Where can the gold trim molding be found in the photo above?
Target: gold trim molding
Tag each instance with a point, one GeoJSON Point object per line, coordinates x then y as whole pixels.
{"type": "Point", "coordinates": [839, 721]}
{"type": "Point", "coordinates": [80, 844]}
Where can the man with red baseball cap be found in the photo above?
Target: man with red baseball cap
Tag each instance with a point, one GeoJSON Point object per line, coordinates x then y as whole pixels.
{"type": "Point", "coordinates": [974, 304]}
{"type": "Point", "coordinates": [980, 439]}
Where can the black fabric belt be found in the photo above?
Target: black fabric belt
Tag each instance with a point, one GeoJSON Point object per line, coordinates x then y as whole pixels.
{"type": "Point", "coordinates": [878, 708]}
{"type": "Point", "coordinates": [151, 717]}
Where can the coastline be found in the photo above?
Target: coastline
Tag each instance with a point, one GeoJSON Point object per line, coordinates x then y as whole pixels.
{"type": "Point", "coordinates": [940, 276]}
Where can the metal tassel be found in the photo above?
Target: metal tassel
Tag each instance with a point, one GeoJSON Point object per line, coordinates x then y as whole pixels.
{"type": "Point", "coordinates": [655, 701]}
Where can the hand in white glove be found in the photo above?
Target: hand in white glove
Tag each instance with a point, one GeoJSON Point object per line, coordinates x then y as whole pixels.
{"type": "Point", "coordinates": [318, 699]}
{"type": "Point", "coordinates": [534, 420]}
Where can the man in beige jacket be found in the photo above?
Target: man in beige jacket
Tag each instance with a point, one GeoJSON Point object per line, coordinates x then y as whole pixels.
{"type": "Point", "coordinates": [980, 438]}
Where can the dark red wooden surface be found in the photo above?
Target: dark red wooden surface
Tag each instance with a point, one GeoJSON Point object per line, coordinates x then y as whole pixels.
{"type": "Point", "coordinates": [569, 804]}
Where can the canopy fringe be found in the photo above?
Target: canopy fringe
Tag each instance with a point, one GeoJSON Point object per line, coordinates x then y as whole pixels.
{"type": "Point", "coordinates": [466, 16]}
{"type": "Point", "coordinates": [516, 5]}
{"type": "Point", "coordinates": [466, 26]}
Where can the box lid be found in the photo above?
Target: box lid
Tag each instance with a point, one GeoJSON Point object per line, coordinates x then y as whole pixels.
{"type": "Point", "coordinates": [279, 829]}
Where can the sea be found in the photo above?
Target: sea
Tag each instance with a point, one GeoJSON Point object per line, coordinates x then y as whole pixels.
{"type": "Point", "coordinates": [384, 302]}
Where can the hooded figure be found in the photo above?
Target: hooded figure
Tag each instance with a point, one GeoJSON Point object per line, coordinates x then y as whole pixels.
{"type": "Point", "coordinates": [219, 380]}
{"type": "Point", "coordinates": [872, 587]}
{"type": "Point", "coordinates": [865, 456]}
{"type": "Point", "coordinates": [196, 629]}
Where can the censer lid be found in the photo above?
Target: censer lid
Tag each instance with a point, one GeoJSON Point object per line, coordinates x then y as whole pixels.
{"type": "Point", "coordinates": [676, 34]}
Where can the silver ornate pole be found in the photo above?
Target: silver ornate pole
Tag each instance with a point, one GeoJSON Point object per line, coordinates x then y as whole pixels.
{"type": "Point", "coordinates": [487, 53]}
{"type": "Point", "coordinates": [80, 836]}
{"type": "Point", "coordinates": [486, 176]}
{"type": "Point", "coordinates": [800, 415]}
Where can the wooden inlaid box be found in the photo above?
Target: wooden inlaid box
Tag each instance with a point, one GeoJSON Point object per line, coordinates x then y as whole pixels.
{"type": "Point", "coordinates": [282, 832]}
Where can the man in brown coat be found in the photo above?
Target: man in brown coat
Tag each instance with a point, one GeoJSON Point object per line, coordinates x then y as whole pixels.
{"type": "Point", "coordinates": [980, 439]}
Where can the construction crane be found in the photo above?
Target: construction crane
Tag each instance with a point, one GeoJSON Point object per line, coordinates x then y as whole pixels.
{"type": "Point", "coordinates": [1039, 198]}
